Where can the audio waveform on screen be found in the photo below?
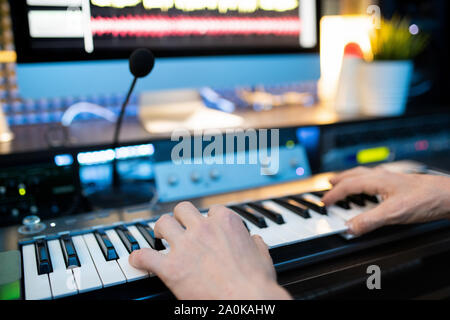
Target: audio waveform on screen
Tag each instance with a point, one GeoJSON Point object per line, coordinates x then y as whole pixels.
{"type": "Point", "coordinates": [162, 26]}
{"type": "Point", "coordinates": [223, 6]}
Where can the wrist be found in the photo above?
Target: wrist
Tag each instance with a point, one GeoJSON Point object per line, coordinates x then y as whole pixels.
{"type": "Point", "coordinates": [277, 292]}
{"type": "Point", "coordinates": [260, 289]}
{"type": "Point", "coordinates": [443, 183]}
{"type": "Point", "coordinates": [271, 290]}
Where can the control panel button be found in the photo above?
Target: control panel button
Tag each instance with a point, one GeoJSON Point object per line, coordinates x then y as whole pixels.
{"type": "Point", "coordinates": [196, 177]}
{"type": "Point", "coordinates": [172, 180]}
{"type": "Point", "coordinates": [214, 174]}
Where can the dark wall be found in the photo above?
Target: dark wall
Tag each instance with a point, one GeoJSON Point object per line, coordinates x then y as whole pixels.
{"type": "Point", "coordinates": [433, 66]}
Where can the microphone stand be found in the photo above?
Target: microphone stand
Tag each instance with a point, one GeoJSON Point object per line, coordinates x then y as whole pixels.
{"type": "Point", "coordinates": [115, 171]}
{"type": "Point", "coordinates": [120, 195]}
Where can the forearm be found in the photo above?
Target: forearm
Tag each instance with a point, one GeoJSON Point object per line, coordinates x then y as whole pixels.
{"type": "Point", "coordinates": [443, 184]}
{"type": "Point", "coordinates": [257, 290]}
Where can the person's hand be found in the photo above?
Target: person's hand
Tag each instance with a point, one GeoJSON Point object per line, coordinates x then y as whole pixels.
{"type": "Point", "coordinates": [210, 257]}
{"type": "Point", "coordinates": [407, 198]}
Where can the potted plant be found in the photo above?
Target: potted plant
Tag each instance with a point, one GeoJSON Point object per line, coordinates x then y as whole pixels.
{"type": "Point", "coordinates": [385, 80]}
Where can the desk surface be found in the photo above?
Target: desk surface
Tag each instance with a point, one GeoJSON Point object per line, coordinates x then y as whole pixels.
{"type": "Point", "coordinates": [92, 133]}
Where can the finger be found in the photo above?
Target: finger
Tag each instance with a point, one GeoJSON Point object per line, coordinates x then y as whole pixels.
{"type": "Point", "coordinates": [370, 220]}
{"type": "Point", "coordinates": [229, 221]}
{"type": "Point", "coordinates": [168, 228]}
{"type": "Point", "coordinates": [349, 174]}
{"type": "Point", "coordinates": [217, 211]}
{"type": "Point", "coordinates": [147, 259]}
{"type": "Point", "coordinates": [262, 246]}
{"type": "Point", "coordinates": [370, 184]}
{"type": "Point", "coordinates": [264, 251]}
{"type": "Point", "coordinates": [187, 214]}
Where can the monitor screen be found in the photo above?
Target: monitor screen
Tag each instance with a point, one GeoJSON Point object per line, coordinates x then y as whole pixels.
{"type": "Point", "coordinates": [58, 30]}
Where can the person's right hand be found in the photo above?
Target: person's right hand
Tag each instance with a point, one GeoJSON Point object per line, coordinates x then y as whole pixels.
{"type": "Point", "coordinates": [407, 198]}
{"type": "Point", "coordinates": [211, 257]}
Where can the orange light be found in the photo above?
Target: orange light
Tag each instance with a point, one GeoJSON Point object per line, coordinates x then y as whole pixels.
{"type": "Point", "coordinates": [335, 33]}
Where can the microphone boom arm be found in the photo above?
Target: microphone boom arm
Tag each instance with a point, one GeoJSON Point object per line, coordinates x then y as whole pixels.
{"type": "Point", "coordinates": [118, 128]}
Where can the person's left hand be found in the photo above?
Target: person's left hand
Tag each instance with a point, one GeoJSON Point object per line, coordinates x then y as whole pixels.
{"type": "Point", "coordinates": [210, 257]}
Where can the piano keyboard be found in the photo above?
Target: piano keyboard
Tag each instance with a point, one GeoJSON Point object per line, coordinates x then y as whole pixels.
{"type": "Point", "coordinates": [66, 265]}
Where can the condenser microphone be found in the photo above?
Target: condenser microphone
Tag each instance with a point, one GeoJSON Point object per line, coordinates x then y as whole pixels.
{"type": "Point", "coordinates": [141, 63]}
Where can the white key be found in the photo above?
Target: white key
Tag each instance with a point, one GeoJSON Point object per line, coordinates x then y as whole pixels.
{"type": "Point", "coordinates": [318, 225]}
{"type": "Point", "coordinates": [130, 272]}
{"type": "Point", "coordinates": [324, 224]}
{"type": "Point", "coordinates": [139, 238]}
{"type": "Point", "coordinates": [344, 214]}
{"type": "Point", "coordinates": [86, 276]}
{"type": "Point", "coordinates": [270, 238]}
{"type": "Point", "coordinates": [347, 215]}
{"type": "Point", "coordinates": [354, 210]}
{"type": "Point", "coordinates": [293, 221]}
{"type": "Point", "coordinates": [37, 287]}
{"type": "Point", "coordinates": [61, 279]}
{"type": "Point", "coordinates": [109, 271]}
{"type": "Point", "coordinates": [284, 232]}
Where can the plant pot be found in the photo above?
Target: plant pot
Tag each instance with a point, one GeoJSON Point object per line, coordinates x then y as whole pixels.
{"type": "Point", "coordinates": [384, 87]}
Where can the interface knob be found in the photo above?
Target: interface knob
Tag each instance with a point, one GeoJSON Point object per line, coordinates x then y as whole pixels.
{"type": "Point", "coordinates": [214, 174]}
{"type": "Point", "coordinates": [172, 180]}
{"type": "Point", "coordinates": [31, 225]}
{"type": "Point", "coordinates": [196, 177]}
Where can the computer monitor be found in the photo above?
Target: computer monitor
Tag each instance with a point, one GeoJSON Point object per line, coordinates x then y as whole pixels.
{"type": "Point", "coordinates": [65, 30]}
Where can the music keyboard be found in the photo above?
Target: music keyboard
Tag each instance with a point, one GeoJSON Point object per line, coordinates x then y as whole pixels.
{"type": "Point", "coordinates": [69, 264]}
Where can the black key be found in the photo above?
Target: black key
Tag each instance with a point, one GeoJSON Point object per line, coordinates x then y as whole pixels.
{"type": "Point", "coordinates": [370, 198]}
{"type": "Point", "coordinates": [291, 206]}
{"type": "Point", "coordinates": [253, 218]}
{"type": "Point", "coordinates": [246, 226]}
{"type": "Point", "coordinates": [319, 194]}
{"type": "Point", "coordinates": [106, 245]}
{"type": "Point", "coordinates": [357, 199]}
{"type": "Point", "coordinates": [43, 258]}
{"type": "Point", "coordinates": [69, 252]}
{"type": "Point", "coordinates": [344, 204]}
{"type": "Point", "coordinates": [275, 217]}
{"type": "Point", "coordinates": [311, 204]}
{"type": "Point", "coordinates": [149, 235]}
{"type": "Point", "coordinates": [127, 238]}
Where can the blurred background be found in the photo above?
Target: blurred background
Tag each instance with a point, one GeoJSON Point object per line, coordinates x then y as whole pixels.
{"type": "Point", "coordinates": [320, 71]}
{"type": "Point", "coordinates": [344, 83]}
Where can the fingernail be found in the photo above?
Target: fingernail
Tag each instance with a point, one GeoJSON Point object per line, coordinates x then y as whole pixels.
{"type": "Point", "coordinates": [350, 228]}
{"type": "Point", "coordinates": [132, 254]}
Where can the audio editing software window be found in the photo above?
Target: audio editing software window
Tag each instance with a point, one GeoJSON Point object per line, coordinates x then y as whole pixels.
{"type": "Point", "coordinates": [168, 25]}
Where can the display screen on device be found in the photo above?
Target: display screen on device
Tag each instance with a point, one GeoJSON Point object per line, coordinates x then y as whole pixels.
{"type": "Point", "coordinates": [107, 28]}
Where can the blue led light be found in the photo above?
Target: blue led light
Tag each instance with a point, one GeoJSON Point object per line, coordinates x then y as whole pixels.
{"type": "Point", "coordinates": [122, 153]}
{"type": "Point", "coordinates": [63, 160]}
